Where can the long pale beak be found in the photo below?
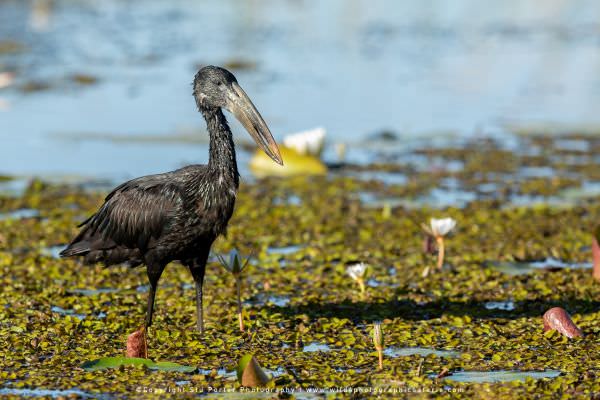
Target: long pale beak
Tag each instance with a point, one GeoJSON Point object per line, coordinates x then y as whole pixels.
{"type": "Point", "coordinates": [240, 105]}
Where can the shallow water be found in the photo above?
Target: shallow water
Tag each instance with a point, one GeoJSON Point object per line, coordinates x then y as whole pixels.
{"type": "Point", "coordinates": [93, 292]}
{"type": "Point", "coordinates": [262, 299]}
{"type": "Point", "coordinates": [53, 251]}
{"type": "Point", "coordinates": [500, 376]}
{"type": "Point", "coordinates": [455, 68]}
{"type": "Point", "coordinates": [15, 186]}
{"type": "Point", "coordinates": [20, 214]}
{"type": "Point", "coordinates": [420, 351]}
{"type": "Point", "coordinates": [72, 313]}
{"type": "Point", "coordinates": [315, 346]}
{"type": "Point", "coordinates": [50, 393]}
{"type": "Point", "coordinates": [220, 371]}
{"type": "Point", "coordinates": [284, 250]}
{"type": "Point", "coordinates": [233, 374]}
{"type": "Point", "coordinates": [500, 305]}
{"type": "Point", "coordinates": [518, 268]}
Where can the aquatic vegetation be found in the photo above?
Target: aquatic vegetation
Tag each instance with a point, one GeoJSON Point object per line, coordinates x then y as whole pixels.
{"type": "Point", "coordinates": [11, 46]}
{"type": "Point", "coordinates": [314, 331]}
{"type": "Point", "coordinates": [378, 342]}
{"type": "Point", "coordinates": [236, 266]}
{"type": "Point", "coordinates": [83, 79]}
{"type": "Point", "coordinates": [558, 319]}
{"type": "Point", "coordinates": [358, 272]}
{"type": "Point", "coordinates": [240, 64]}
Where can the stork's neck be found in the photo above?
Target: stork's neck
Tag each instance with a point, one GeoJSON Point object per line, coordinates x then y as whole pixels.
{"type": "Point", "coordinates": [222, 150]}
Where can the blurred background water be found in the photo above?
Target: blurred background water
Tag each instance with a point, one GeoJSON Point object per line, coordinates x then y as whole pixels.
{"type": "Point", "coordinates": [103, 88]}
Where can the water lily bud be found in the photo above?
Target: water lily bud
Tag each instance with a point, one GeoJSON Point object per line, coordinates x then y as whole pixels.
{"type": "Point", "coordinates": [234, 262]}
{"type": "Point", "coordinates": [557, 318]}
{"type": "Point", "coordinates": [378, 336]}
{"type": "Point", "coordinates": [596, 259]}
{"type": "Point", "coordinates": [136, 344]}
{"type": "Point", "coordinates": [250, 374]}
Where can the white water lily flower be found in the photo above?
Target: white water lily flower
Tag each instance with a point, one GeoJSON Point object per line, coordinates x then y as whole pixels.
{"type": "Point", "coordinates": [307, 142]}
{"type": "Point", "coordinates": [357, 271]}
{"type": "Point", "coordinates": [441, 227]}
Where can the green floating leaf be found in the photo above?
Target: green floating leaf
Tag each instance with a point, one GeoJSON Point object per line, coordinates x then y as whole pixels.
{"type": "Point", "coordinates": [116, 362]}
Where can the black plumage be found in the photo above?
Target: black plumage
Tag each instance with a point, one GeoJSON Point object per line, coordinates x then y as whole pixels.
{"type": "Point", "coordinates": [177, 215]}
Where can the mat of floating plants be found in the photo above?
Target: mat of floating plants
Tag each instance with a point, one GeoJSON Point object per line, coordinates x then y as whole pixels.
{"type": "Point", "coordinates": [473, 329]}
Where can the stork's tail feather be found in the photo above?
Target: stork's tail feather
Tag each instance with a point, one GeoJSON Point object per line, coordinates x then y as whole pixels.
{"type": "Point", "coordinates": [76, 249]}
{"type": "Point", "coordinates": [98, 252]}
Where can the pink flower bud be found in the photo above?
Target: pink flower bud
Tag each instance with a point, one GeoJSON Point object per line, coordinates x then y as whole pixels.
{"type": "Point", "coordinates": [557, 318]}
{"type": "Point", "coordinates": [136, 344]}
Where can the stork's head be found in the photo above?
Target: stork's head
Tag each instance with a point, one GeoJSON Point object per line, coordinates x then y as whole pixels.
{"type": "Point", "coordinates": [215, 87]}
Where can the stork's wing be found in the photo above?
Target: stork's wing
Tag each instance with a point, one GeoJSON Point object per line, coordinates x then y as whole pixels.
{"type": "Point", "coordinates": [133, 215]}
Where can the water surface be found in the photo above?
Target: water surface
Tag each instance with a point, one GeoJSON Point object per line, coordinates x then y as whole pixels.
{"type": "Point", "coordinates": [420, 69]}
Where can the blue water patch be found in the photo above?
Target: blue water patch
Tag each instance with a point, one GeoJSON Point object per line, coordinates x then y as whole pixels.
{"type": "Point", "coordinates": [285, 250]}
{"type": "Point", "coordinates": [52, 251]}
{"type": "Point", "coordinates": [22, 213]}
{"type": "Point", "coordinates": [525, 267]}
{"type": "Point", "coordinates": [316, 347]}
{"type": "Point", "coordinates": [500, 376]}
{"type": "Point", "coordinates": [500, 305]}
{"type": "Point", "coordinates": [54, 393]}
{"type": "Point", "coordinates": [62, 311]}
{"type": "Point", "coordinates": [420, 351]}
{"type": "Point", "coordinates": [93, 292]}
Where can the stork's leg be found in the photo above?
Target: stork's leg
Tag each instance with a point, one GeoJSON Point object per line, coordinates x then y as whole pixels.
{"type": "Point", "coordinates": [197, 268]}
{"type": "Point", "coordinates": [154, 273]}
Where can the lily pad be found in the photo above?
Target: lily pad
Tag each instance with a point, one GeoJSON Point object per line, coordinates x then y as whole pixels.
{"type": "Point", "coordinates": [116, 362]}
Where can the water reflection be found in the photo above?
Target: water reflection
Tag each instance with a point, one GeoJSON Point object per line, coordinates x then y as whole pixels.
{"type": "Point", "coordinates": [460, 67]}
